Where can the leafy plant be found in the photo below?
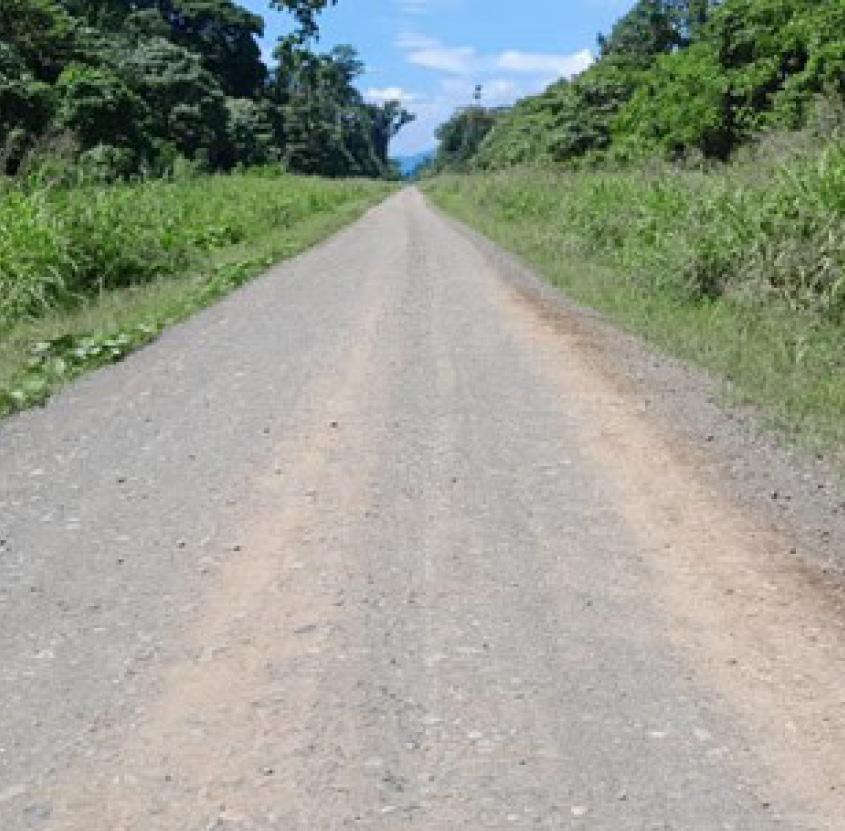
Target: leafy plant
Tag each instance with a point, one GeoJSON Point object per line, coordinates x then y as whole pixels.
{"type": "Point", "coordinates": [88, 274]}
{"type": "Point", "coordinates": [143, 87]}
{"type": "Point", "coordinates": [740, 266]}
{"type": "Point", "coordinates": [680, 79]}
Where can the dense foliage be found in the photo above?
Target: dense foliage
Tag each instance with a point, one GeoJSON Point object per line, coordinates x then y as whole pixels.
{"type": "Point", "coordinates": [740, 267]}
{"type": "Point", "coordinates": [60, 246]}
{"type": "Point", "coordinates": [461, 136]}
{"type": "Point", "coordinates": [766, 230]}
{"type": "Point", "coordinates": [680, 78]}
{"type": "Point", "coordinates": [121, 87]}
{"type": "Point", "coordinates": [90, 273]}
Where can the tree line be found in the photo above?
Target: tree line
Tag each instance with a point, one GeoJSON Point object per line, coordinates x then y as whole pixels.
{"type": "Point", "coordinates": [678, 78]}
{"type": "Point", "coordinates": [119, 88]}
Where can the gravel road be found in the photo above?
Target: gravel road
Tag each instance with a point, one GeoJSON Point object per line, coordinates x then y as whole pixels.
{"type": "Point", "coordinates": [389, 539]}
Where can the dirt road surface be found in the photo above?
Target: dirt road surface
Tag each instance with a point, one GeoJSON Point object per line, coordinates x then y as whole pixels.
{"type": "Point", "coordinates": [388, 539]}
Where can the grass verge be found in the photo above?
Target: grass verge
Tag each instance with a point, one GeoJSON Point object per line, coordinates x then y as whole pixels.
{"type": "Point", "coordinates": [702, 265]}
{"type": "Point", "coordinates": [88, 276]}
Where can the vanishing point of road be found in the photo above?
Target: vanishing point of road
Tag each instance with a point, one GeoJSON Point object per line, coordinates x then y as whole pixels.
{"type": "Point", "coordinates": [386, 539]}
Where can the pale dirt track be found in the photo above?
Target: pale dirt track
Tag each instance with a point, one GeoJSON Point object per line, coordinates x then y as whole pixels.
{"type": "Point", "coordinates": [382, 542]}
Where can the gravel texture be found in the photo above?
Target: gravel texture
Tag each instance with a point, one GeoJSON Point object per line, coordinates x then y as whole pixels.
{"type": "Point", "coordinates": [394, 537]}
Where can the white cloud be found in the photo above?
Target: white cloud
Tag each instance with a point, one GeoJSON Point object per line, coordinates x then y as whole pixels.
{"type": "Point", "coordinates": [409, 41]}
{"type": "Point", "coordinates": [536, 62]}
{"type": "Point", "coordinates": [421, 7]}
{"type": "Point", "coordinates": [381, 94]}
{"type": "Point", "coordinates": [453, 92]}
{"type": "Point", "coordinates": [501, 91]}
{"type": "Point", "coordinates": [430, 53]}
{"type": "Point", "coordinates": [458, 60]}
{"type": "Point", "coordinates": [505, 77]}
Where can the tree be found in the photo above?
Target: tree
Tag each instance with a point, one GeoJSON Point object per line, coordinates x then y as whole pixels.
{"type": "Point", "coordinates": [187, 106]}
{"type": "Point", "coordinates": [675, 76]}
{"type": "Point", "coordinates": [325, 126]}
{"type": "Point", "coordinates": [249, 133]}
{"type": "Point", "coordinates": [310, 92]}
{"type": "Point", "coordinates": [98, 107]}
{"type": "Point", "coordinates": [461, 136]}
{"type": "Point", "coordinates": [223, 35]}
{"type": "Point", "coordinates": [656, 27]}
{"type": "Point", "coordinates": [41, 33]}
{"type": "Point", "coordinates": [305, 13]}
{"type": "Point", "coordinates": [387, 120]}
{"type": "Point", "coordinates": [26, 106]}
{"type": "Point", "coordinates": [126, 86]}
{"type": "Point", "coordinates": [756, 64]}
{"type": "Point", "coordinates": [645, 31]}
{"type": "Point", "coordinates": [684, 105]}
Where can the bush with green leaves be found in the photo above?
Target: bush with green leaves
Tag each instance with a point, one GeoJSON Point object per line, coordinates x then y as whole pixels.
{"type": "Point", "coordinates": [760, 64]}
{"type": "Point", "coordinates": [679, 79]}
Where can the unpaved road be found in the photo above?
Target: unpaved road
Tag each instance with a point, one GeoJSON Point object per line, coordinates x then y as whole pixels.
{"type": "Point", "coordinates": [381, 541]}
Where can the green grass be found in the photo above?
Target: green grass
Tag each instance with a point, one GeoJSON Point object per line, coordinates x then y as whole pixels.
{"type": "Point", "coordinates": [739, 269]}
{"type": "Point", "coordinates": [89, 274]}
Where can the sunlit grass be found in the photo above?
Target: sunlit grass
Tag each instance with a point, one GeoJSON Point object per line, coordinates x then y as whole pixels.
{"type": "Point", "coordinates": [89, 274]}
{"type": "Point", "coordinates": [739, 269]}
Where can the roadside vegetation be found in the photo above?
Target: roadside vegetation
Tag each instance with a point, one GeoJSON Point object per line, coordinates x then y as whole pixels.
{"type": "Point", "coordinates": [151, 161]}
{"type": "Point", "coordinates": [739, 270]}
{"type": "Point", "coordinates": [120, 89]}
{"type": "Point", "coordinates": [690, 184]}
{"type": "Point", "coordinates": [683, 80]}
{"type": "Point", "coordinates": [89, 273]}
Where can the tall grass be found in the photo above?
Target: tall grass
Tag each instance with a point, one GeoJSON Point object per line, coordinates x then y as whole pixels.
{"type": "Point", "coordinates": [88, 274]}
{"type": "Point", "coordinates": [740, 267]}
{"type": "Point", "coordinates": [59, 247]}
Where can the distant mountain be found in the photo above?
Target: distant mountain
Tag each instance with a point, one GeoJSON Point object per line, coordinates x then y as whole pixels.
{"type": "Point", "coordinates": [409, 165]}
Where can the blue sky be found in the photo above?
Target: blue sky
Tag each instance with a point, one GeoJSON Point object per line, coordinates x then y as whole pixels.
{"type": "Point", "coordinates": [431, 53]}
